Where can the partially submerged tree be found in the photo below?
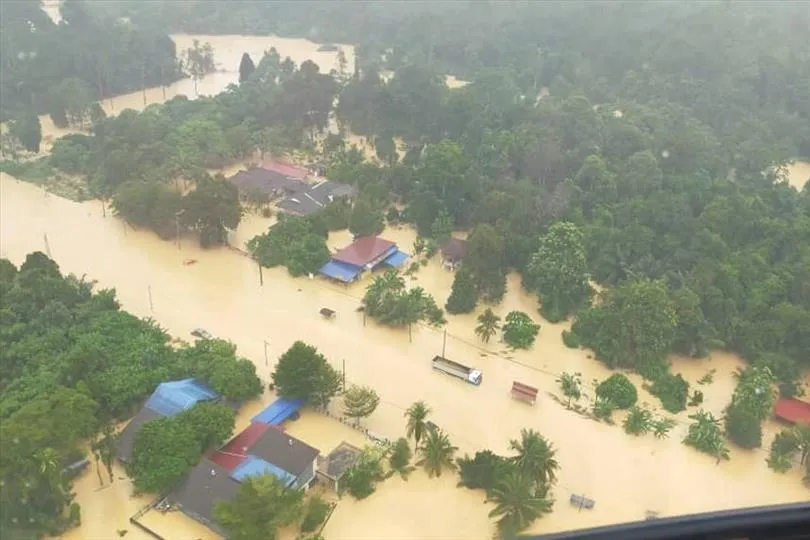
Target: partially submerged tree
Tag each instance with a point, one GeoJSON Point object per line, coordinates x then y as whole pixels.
{"type": "Point", "coordinates": [261, 508]}
{"type": "Point", "coordinates": [535, 457]}
{"type": "Point", "coordinates": [359, 402]}
{"type": "Point", "coordinates": [303, 373]}
{"type": "Point", "coordinates": [518, 503]}
{"type": "Point", "coordinates": [437, 453]}
{"type": "Point", "coordinates": [571, 386]}
{"type": "Point", "coordinates": [246, 68]}
{"type": "Point", "coordinates": [488, 325]}
{"type": "Point", "coordinates": [463, 296]}
{"type": "Point", "coordinates": [706, 435]}
{"type": "Point", "coordinates": [519, 330]}
{"type": "Point", "coordinates": [417, 415]}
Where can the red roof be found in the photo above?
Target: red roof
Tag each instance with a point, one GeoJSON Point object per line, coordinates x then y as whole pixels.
{"type": "Point", "coordinates": [363, 251]}
{"type": "Point", "coordinates": [286, 169]}
{"type": "Point", "coordinates": [235, 451]}
{"type": "Point", "coordinates": [792, 410]}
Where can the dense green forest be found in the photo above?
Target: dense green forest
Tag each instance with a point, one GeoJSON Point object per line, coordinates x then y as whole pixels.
{"type": "Point", "coordinates": [50, 68]}
{"type": "Point", "coordinates": [72, 365]}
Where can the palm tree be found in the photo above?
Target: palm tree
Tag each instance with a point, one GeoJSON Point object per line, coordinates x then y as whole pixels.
{"type": "Point", "coordinates": [48, 461]}
{"type": "Point", "coordinates": [488, 325]}
{"type": "Point", "coordinates": [437, 453]}
{"type": "Point", "coordinates": [518, 503]}
{"type": "Point", "coordinates": [535, 457]}
{"type": "Point", "coordinates": [417, 420]}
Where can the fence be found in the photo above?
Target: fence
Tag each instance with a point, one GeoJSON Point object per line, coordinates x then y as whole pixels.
{"type": "Point", "coordinates": [140, 513]}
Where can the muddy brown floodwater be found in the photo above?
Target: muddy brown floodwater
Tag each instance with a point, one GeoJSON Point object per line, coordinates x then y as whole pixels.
{"type": "Point", "coordinates": [798, 174]}
{"type": "Point", "coordinates": [625, 475]}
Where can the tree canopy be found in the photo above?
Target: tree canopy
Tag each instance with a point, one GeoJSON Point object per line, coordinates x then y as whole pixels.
{"type": "Point", "coordinates": [71, 362]}
{"type": "Point", "coordinates": [304, 373]}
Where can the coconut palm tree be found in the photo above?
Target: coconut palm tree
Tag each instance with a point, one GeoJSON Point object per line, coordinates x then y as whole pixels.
{"type": "Point", "coordinates": [437, 453]}
{"type": "Point", "coordinates": [417, 420]}
{"type": "Point", "coordinates": [518, 503]}
{"type": "Point", "coordinates": [535, 457]}
{"type": "Point", "coordinates": [488, 325]}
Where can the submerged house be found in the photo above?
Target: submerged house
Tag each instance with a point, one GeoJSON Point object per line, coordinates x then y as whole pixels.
{"type": "Point", "coordinates": [363, 255]}
{"type": "Point", "coordinates": [168, 399]}
{"type": "Point", "coordinates": [258, 450]}
{"type": "Point", "coordinates": [315, 197]}
{"type": "Point", "coordinates": [453, 252]}
{"type": "Point", "coordinates": [271, 183]}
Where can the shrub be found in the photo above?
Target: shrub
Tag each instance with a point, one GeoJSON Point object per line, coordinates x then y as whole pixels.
{"type": "Point", "coordinates": [638, 421]}
{"type": "Point", "coordinates": [400, 456]}
{"type": "Point", "coordinates": [570, 339]}
{"type": "Point", "coordinates": [317, 511]}
{"type": "Point", "coordinates": [672, 390]}
{"type": "Point", "coordinates": [618, 390]}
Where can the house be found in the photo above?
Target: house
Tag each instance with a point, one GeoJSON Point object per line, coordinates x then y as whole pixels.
{"type": "Point", "coordinates": [288, 170]}
{"type": "Point", "coordinates": [168, 399]}
{"type": "Point", "coordinates": [271, 183]}
{"type": "Point", "coordinates": [332, 468]}
{"type": "Point", "coordinates": [364, 254]}
{"type": "Point", "coordinates": [792, 410]}
{"type": "Point", "coordinates": [453, 252]}
{"type": "Point", "coordinates": [313, 198]}
{"type": "Point", "coordinates": [258, 450]}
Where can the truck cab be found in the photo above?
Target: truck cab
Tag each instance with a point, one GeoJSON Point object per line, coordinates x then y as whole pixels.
{"type": "Point", "coordinates": [475, 377]}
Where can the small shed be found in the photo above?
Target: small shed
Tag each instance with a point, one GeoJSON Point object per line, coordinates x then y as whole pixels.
{"type": "Point", "coordinates": [792, 410]}
{"type": "Point", "coordinates": [453, 252]}
{"type": "Point", "coordinates": [332, 467]}
{"type": "Point", "coordinates": [524, 392]}
{"type": "Point", "coordinates": [278, 411]}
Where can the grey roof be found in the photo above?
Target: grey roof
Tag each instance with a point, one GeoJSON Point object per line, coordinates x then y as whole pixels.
{"type": "Point", "coordinates": [339, 460]}
{"type": "Point", "coordinates": [127, 437]}
{"type": "Point", "coordinates": [265, 181]}
{"type": "Point", "coordinates": [205, 485]}
{"type": "Point", "coordinates": [315, 197]}
{"type": "Point", "coordinates": [284, 451]}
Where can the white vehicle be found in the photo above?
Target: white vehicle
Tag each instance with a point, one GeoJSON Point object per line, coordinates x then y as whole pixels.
{"type": "Point", "coordinates": [471, 375]}
{"type": "Point", "coordinates": [201, 333]}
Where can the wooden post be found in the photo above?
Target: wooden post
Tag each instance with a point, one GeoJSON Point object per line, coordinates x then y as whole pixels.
{"type": "Point", "coordinates": [177, 224]}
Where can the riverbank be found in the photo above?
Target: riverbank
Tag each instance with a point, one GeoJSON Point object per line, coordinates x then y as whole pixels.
{"type": "Point", "coordinates": [627, 476]}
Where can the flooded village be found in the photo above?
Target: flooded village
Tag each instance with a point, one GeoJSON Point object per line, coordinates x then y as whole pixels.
{"type": "Point", "coordinates": [263, 311]}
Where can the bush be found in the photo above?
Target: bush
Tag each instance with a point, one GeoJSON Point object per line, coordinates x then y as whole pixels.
{"type": "Point", "coordinates": [400, 456]}
{"type": "Point", "coordinates": [638, 422]}
{"type": "Point", "coordinates": [75, 514]}
{"type": "Point", "coordinates": [483, 471]}
{"type": "Point", "coordinates": [618, 390]}
{"type": "Point", "coordinates": [672, 390]}
{"type": "Point", "coordinates": [743, 427]}
{"type": "Point", "coordinates": [570, 339]}
{"type": "Point", "coordinates": [317, 511]}
{"type": "Point", "coordinates": [360, 480]}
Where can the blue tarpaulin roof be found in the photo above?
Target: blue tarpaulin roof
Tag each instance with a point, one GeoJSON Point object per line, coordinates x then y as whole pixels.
{"type": "Point", "coordinates": [340, 271]}
{"type": "Point", "coordinates": [174, 397]}
{"type": "Point", "coordinates": [396, 259]}
{"type": "Point", "coordinates": [278, 411]}
{"type": "Point", "coordinates": [254, 466]}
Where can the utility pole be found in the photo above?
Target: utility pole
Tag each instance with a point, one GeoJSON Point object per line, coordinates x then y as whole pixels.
{"type": "Point", "coordinates": [151, 306]}
{"type": "Point", "coordinates": [266, 361]}
{"type": "Point", "coordinates": [344, 374]}
{"type": "Point", "coordinates": [444, 343]}
{"type": "Point", "coordinates": [47, 246]}
{"type": "Point", "coordinates": [261, 275]}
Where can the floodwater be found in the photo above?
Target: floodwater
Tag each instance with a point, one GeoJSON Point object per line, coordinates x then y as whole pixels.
{"type": "Point", "coordinates": [625, 475]}
{"type": "Point", "coordinates": [798, 174]}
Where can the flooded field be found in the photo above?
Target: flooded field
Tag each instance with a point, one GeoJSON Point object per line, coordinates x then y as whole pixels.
{"type": "Point", "coordinates": [627, 476]}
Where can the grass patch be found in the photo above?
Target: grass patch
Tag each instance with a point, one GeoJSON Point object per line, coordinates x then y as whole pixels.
{"type": "Point", "coordinates": [43, 174]}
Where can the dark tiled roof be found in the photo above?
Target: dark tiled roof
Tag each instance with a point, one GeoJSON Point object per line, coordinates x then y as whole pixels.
{"type": "Point", "coordinates": [315, 197]}
{"type": "Point", "coordinates": [284, 451]}
{"type": "Point", "coordinates": [363, 250]}
{"type": "Point", "coordinates": [266, 181]}
{"type": "Point", "coordinates": [127, 437]}
{"type": "Point", "coordinates": [205, 485]}
{"type": "Point", "coordinates": [339, 460]}
{"type": "Point", "coordinates": [454, 249]}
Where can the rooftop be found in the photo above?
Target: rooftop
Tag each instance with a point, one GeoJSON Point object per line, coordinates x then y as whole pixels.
{"type": "Point", "coordinates": [792, 410]}
{"type": "Point", "coordinates": [339, 460]}
{"type": "Point", "coordinates": [205, 485]}
{"type": "Point", "coordinates": [454, 250]}
{"type": "Point", "coordinates": [171, 398]}
{"type": "Point", "coordinates": [266, 181]}
{"type": "Point", "coordinates": [313, 198]}
{"type": "Point", "coordinates": [236, 450]}
{"type": "Point", "coordinates": [127, 437]}
{"type": "Point", "coordinates": [284, 451]}
{"type": "Point", "coordinates": [285, 169]}
{"type": "Point", "coordinates": [363, 251]}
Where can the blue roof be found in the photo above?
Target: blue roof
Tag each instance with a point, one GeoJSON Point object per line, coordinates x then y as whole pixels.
{"type": "Point", "coordinates": [171, 398]}
{"type": "Point", "coordinates": [396, 259]}
{"type": "Point", "coordinates": [340, 271]}
{"type": "Point", "coordinates": [278, 411]}
{"type": "Point", "coordinates": [254, 466]}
